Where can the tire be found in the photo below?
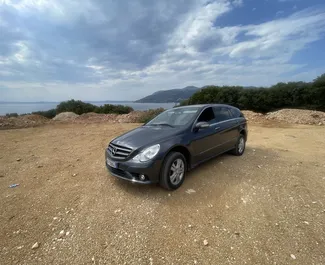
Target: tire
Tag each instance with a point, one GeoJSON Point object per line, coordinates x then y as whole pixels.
{"type": "Point", "coordinates": [240, 146]}
{"type": "Point", "coordinates": [168, 179]}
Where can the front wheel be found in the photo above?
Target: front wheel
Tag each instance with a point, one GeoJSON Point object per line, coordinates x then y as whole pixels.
{"type": "Point", "coordinates": [240, 146]}
{"type": "Point", "coordinates": [173, 171]}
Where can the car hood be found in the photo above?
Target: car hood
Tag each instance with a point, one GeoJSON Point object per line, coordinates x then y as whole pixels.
{"type": "Point", "coordinates": [145, 136]}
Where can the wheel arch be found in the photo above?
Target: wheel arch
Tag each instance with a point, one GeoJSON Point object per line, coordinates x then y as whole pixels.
{"type": "Point", "coordinates": [244, 133]}
{"type": "Point", "coordinates": [184, 151]}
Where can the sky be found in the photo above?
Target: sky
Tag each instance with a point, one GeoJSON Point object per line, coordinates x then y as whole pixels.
{"type": "Point", "coordinates": [53, 50]}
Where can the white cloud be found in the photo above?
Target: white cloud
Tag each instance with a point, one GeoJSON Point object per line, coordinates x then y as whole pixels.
{"type": "Point", "coordinates": [237, 3]}
{"type": "Point", "coordinates": [279, 13]}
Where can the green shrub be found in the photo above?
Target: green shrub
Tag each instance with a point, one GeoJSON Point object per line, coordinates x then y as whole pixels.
{"type": "Point", "coordinates": [50, 114]}
{"type": "Point", "coordinates": [9, 115]}
{"type": "Point", "coordinates": [76, 106]}
{"type": "Point", "coordinates": [117, 109]}
{"type": "Point", "coordinates": [80, 107]}
{"type": "Point", "coordinates": [149, 115]}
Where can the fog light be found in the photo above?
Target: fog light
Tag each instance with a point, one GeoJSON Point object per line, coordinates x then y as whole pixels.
{"type": "Point", "coordinates": [142, 177]}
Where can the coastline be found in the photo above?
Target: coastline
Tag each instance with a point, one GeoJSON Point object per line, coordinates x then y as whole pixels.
{"type": "Point", "coordinates": [29, 107]}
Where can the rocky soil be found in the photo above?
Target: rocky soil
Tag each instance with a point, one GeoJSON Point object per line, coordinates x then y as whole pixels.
{"type": "Point", "coordinates": [266, 207]}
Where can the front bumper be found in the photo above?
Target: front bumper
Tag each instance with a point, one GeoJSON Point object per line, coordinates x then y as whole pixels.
{"type": "Point", "coordinates": [130, 171]}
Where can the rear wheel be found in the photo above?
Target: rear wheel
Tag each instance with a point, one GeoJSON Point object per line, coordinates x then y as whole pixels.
{"type": "Point", "coordinates": [173, 171]}
{"type": "Point", "coordinates": [240, 146]}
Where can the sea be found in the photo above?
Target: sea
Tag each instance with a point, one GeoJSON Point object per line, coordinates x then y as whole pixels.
{"type": "Point", "coordinates": [29, 107]}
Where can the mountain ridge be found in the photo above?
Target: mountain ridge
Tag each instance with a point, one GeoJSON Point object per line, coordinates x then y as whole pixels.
{"type": "Point", "coordinates": [169, 95]}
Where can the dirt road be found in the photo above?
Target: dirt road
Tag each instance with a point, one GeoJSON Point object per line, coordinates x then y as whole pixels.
{"type": "Point", "coordinates": [267, 207]}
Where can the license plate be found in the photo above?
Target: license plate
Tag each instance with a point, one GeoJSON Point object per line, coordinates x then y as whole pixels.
{"type": "Point", "coordinates": [111, 163]}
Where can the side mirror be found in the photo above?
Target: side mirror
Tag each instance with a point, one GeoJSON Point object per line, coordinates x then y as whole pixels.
{"type": "Point", "coordinates": [202, 125]}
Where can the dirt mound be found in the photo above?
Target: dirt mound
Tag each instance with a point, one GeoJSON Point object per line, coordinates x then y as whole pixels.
{"type": "Point", "coordinates": [95, 117]}
{"type": "Point", "coordinates": [22, 121]}
{"type": "Point", "coordinates": [253, 116]}
{"type": "Point", "coordinates": [65, 116]}
{"type": "Point", "coordinates": [131, 117]}
{"type": "Point", "coordinates": [298, 116]}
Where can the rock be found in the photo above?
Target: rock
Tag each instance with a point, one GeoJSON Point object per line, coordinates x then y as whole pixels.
{"type": "Point", "coordinates": [67, 233]}
{"type": "Point", "coordinates": [254, 150]}
{"type": "Point", "coordinates": [195, 261]}
{"type": "Point", "coordinates": [61, 234]}
{"type": "Point", "coordinates": [55, 218]}
{"type": "Point", "coordinates": [78, 159]}
{"type": "Point", "coordinates": [18, 159]}
{"type": "Point", "coordinates": [259, 166]}
{"type": "Point", "coordinates": [74, 175]}
{"type": "Point", "coordinates": [189, 226]}
{"type": "Point", "coordinates": [35, 246]}
{"type": "Point", "coordinates": [237, 233]}
{"type": "Point", "coordinates": [117, 211]}
{"type": "Point", "coordinates": [320, 124]}
{"type": "Point", "coordinates": [20, 247]}
{"type": "Point", "coordinates": [189, 191]}
{"type": "Point", "coordinates": [293, 256]}
{"type": "Point", "coordinates": [205, 242]}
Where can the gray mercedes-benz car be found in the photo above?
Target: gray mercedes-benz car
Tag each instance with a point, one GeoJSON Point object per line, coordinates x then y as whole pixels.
{"type": "Point", "coordinates": [177, 140]}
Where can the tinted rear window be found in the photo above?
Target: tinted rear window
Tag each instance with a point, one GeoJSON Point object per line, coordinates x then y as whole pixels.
{"type": "Point", "coordinates": [222, 114]}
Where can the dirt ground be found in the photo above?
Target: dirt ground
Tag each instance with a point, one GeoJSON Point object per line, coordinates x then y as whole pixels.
{"type": "Point", "coordinates": [266, 207]}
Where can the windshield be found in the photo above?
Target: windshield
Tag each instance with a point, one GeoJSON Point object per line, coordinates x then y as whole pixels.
{"type": "Point", "coordinates": [175, 117]}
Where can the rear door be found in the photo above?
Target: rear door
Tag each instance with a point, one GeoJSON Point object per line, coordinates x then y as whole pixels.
{"type": "Point", "coordinates": [226, 127]}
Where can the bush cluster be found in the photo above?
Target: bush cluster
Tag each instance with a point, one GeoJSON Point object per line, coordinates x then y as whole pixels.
{"type": "Point", "coordinates": [149, 115]}
{"type": "Point", "coordinates": [9, 115]}
{"type": "Point", "coordinates": [282, 95]}
{"type": "Point", "coordinates": [50, 114]}
{"type": "Point", "coordinates": [80, 107]}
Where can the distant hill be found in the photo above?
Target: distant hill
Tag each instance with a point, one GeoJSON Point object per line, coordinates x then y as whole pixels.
{"type": "Point", "coordinates": [168, 96]}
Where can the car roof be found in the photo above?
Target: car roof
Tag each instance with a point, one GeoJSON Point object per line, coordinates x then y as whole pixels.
{"type": "Point", "coordinates": [205, 106]}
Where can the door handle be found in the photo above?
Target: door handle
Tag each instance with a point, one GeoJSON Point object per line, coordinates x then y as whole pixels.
{"type": "Point", "coordinates": [217, 128]}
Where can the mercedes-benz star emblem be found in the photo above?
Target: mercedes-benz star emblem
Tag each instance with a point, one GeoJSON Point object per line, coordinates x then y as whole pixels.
{"type": "Point", "coordinates": [114, 151]}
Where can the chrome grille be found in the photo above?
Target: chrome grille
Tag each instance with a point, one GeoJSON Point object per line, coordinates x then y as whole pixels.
{"type": "Point", "coordinates": [118, 151]}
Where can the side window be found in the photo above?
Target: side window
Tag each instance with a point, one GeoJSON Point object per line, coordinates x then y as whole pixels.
{"type": "Point", "coordinates": [222, 114]}
{"type": "Point", "coordinates": [207, 115]}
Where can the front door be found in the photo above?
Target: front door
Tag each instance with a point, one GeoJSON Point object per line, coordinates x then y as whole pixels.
{"type": "Point", "coordinates": [204, 140]}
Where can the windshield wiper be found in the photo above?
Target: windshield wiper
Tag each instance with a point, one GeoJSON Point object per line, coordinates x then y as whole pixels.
{"type": "Point", "coordinates": [162, 124]}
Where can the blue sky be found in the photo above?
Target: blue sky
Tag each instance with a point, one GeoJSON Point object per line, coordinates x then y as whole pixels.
{"type": "Point", "coordinates": [124, 50]}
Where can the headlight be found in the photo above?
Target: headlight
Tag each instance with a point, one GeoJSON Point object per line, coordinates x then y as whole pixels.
{"type": "Point", "coordinates": [147, 154]}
